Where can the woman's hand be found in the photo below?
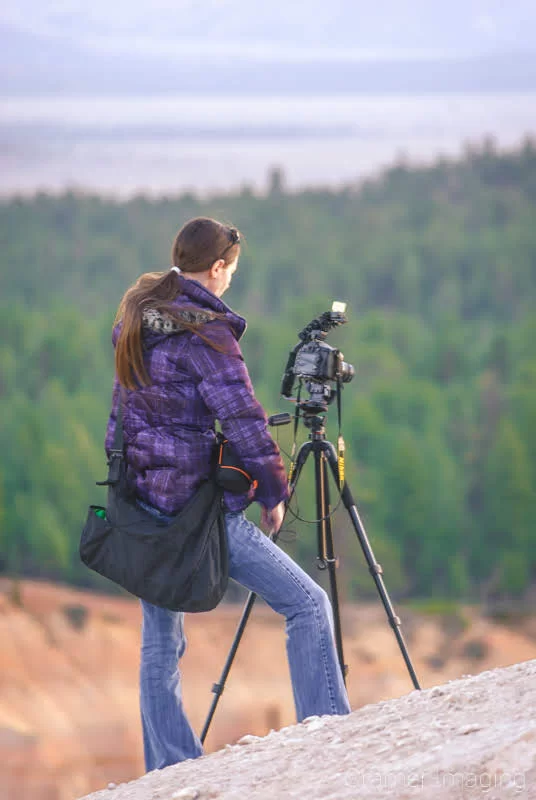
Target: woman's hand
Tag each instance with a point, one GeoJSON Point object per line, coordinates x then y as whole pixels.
{"type": "Point", "coordinates": [272, 520]}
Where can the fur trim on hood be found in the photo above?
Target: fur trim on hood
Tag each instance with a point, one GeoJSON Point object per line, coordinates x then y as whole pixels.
{"type": "Point", "coordinates": [163, 323]}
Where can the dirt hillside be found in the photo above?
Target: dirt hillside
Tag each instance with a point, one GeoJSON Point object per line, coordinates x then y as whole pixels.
{"type": "Point", "coordinates": [470, 738]}
{"type": "Point", "coordinates": [69, 660]}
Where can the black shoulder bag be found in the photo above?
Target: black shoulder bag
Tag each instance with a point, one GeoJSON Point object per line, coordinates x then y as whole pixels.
{"type": "Point", "coordinates": [180, 565]}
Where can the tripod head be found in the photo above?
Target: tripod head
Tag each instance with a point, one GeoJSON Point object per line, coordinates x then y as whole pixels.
{"type": "Point", "coordinates": [311, 416]}
{"type": "Point", "coordinates": [312, 412]}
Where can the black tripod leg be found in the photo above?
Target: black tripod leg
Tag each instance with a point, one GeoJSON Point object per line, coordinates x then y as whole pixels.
{"type": "Point", "coordinates": [374, 568]}
{"type": "Point", "coordinates": [218, 688]}
{"type": "Point", "coordinates": [325, 546]}
{"type": "Point", "coordinates": [301, 458]}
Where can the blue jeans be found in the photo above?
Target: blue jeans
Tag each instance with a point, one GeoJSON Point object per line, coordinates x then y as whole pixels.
{"type": "Point", "coordinates": [261, 566]}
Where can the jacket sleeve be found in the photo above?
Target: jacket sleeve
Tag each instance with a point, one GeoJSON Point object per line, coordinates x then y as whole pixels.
{"type": "Point", "coordinates": [226, 389]}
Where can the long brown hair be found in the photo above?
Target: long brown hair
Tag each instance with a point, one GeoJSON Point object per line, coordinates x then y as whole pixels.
{"type": "Point", "coordinates": [198, 244]}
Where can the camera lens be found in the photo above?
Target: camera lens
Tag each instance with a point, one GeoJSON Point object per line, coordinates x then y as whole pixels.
{"type": "Point", "coordinates": [346, 371]}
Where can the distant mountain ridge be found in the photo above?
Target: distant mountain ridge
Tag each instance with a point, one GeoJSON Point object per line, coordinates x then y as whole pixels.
{"type": "Point", "coordinates": [43, 73]}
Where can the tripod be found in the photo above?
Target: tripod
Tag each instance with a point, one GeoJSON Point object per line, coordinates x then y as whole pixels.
{"type": "Point", "coordinates": [324, 454]}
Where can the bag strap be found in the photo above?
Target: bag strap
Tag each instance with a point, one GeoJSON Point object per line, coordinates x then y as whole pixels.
{"type": "Point", "coordinates": [117, 453]}
{"type": "Point", "coordinates": [118, 443]}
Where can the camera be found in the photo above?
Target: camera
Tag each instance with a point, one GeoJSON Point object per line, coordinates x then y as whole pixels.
{"type": "Point", "coordinates": [315, 361]}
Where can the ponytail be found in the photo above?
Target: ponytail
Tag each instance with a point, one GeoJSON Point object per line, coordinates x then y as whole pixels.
{"type": "Point", "coordinates": [151, 289]}
{"type": "Point", "coordinates": [154, 290]}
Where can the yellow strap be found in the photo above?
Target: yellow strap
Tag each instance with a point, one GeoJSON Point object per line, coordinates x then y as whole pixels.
{"type": "Point", "coordinates": [341, 448]}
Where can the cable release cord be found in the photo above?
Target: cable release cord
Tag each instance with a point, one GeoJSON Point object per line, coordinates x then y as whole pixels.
{"type": "Point", "coordinates": [296, 514]}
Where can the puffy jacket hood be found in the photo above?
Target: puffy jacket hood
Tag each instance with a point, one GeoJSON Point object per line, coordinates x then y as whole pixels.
{"type": "Point", "coordinates": [196, 303]}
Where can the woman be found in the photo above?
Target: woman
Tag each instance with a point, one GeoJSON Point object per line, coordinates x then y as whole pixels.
{"type": "Point", "coordinates": [178, 357]}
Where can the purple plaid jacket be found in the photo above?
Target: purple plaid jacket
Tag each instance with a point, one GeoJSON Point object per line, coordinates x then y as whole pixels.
{"type": "Point", "coordinates": [168, 426]}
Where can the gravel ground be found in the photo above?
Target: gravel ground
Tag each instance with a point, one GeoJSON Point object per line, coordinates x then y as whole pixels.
{"type": "Point", "coordinates": [470, 738]}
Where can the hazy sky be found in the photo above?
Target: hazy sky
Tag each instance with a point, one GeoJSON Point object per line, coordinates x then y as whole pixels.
{"type": "Point", "coordinates": [90, 89]}
{"type": "Point", "coordinates": [298, 30]}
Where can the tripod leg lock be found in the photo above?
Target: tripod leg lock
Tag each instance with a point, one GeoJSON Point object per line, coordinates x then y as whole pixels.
{"type": "Point", "coordinates": [323, 563]}
{"type": "Point", "coordinates": [218, 688]}
{"type": "Point", "coordinates": [376, 569]}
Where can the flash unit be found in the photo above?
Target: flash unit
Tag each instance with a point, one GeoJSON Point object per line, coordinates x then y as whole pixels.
{"type": "Point", "coordinates": [338, 307]}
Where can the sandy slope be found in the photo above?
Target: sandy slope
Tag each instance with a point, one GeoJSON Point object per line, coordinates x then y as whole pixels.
{"type": "Point", "coordinates": [69, 710]}
{"type": "Point", "coordinates": [470, 738]}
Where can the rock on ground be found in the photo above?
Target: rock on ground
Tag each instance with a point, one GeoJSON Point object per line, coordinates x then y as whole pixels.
{"type": "Point", "coordinates": [470, 738]}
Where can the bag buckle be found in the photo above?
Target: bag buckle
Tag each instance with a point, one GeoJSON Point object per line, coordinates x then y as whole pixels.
{"type": "Point", "coordinates": [114, 464]}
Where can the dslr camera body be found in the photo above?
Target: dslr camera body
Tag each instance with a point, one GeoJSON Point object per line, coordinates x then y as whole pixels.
{"type": "Point", "coordinates": [314, 361]}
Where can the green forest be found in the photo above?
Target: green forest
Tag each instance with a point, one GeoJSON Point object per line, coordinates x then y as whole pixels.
{"type": "Point", "coordinates": [438, 267]}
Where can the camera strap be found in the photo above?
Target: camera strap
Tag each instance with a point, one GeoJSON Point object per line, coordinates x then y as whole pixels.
{"type": "Point", "coordinates": [340, 440]}
{"type": "Point", "coordinates": [296, 420]}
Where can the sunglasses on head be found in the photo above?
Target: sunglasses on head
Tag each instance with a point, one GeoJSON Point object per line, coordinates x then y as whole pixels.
{"type": "Point", "coordinates": [234, 235]}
